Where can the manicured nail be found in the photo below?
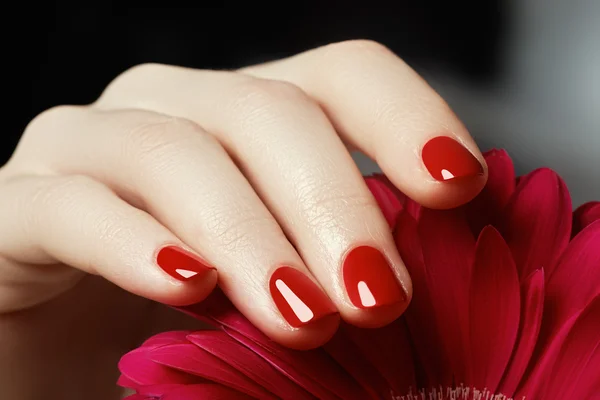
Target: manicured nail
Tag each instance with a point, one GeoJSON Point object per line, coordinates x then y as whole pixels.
{"type": "Point", "coordinates": [299, 299]}
{"type": "Point", "coordinates": [446, 159]}
{"type": "Point", "coordinates": [369, 279]}
{"type": "Point", "coordinates": [181, 264]}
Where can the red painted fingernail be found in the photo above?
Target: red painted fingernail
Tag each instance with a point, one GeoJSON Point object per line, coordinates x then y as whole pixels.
{"type": "Point", "coordinates": [299, 299]}
{"type": "Point", "coordinates": [369, 279]}
{"type": "Point", "coordinates": [181, 264]}
{"type": "Point", "coordinates": [446, 159]}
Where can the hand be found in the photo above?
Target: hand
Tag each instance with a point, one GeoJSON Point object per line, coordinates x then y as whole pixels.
{"type": "Point", "coordinates": [176, 177]}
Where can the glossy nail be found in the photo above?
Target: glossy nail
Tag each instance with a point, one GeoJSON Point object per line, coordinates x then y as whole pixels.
{"type": "Point", "coordinates": [298, 298]}
{"type": "Point", "coordinates": [181, 264]}
{"type": "Point", "coordinates": [369, 279]}
{"type": "Point", "coordinates": [446, 159]}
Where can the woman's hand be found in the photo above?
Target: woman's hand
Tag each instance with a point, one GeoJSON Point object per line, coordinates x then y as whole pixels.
{"type": "Point", "coordinates": [176, 178]}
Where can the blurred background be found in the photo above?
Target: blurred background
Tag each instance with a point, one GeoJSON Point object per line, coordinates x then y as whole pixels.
{"type": "Point", "coordinates": [522, 75]}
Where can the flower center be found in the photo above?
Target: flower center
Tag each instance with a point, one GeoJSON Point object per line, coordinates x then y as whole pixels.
{"type": "Point", "coordinates": [459, 393]}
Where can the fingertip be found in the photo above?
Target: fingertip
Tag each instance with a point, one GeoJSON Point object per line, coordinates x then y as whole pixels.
{"type": "Point", "coordinates": [310, 336]}
{"type": "Point", "coordinates": [189, 292]}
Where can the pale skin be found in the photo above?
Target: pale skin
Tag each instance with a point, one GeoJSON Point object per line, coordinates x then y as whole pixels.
{"type": "Point", "coordinates": [247, 169]}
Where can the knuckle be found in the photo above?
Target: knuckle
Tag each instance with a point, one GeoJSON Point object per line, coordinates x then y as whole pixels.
{"type": "Point", "coordinates": [355, 48]}
{"type": "Point", "coordinates": [324, 204]}
{"type": "Point", "coordinates": [138, 73]}
{"type": "Point", "coordinates": [161, 139]}
{"type": "Point", "coordinates": [235, 234]}
{"type": "Point", "coordinates": [51, 119]}
{"type": "Point", "coordinates": [263, 101]}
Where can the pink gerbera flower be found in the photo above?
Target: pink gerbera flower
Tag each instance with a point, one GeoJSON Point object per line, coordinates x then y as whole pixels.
{"type": "Point", "coordinates": [506, 305]}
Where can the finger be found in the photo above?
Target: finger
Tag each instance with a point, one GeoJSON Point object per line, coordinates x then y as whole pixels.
{"type": "Point", "coordinates": [182, 176]}
{"type": "Point", "coordinates": [79, 222]}
{"type": "Point", "coordinates": [302, 171]}
{"type": "Point", "coordinates": [382, 107]}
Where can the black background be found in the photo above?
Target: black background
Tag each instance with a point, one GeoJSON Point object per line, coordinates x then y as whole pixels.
{"type": "Point", "coordinates": [66, 53]}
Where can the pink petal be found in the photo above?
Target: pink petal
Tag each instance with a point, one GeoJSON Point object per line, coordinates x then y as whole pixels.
{"type": "Point", "coordinates": [169, 337]}
{"type": "Point", "coordinates": [138, 367]}
{"type": "Point", "coordinates": [193, 360]}
{"type": "Point", "coordinates": [313, 370]}
{"type": "Point", "coordinates": [223, 346]}
{"type": "Point", "coordinates": [386, 197]}
{"type": "Point", "coordinates": [576, 279]}
{"type": "Point", "coordinates": [157, 390]}
{"type": "Point", "coordinates": [448, 248]}
{"type": "Point", "coordinates": [388, 350]}
{"type": "Point", "coordinates": [138, 397]}
{"type": "Point", "coordinates": [432, 366]}
{"type": "Point", "coordinates": [487, 207]}
{"type": "Point", "coordinates": [205, 392]}
{"type": "Point", "coordinates": [125, 382]}
{"type": "Point", "coordinates": [532, 303]}
{"type": "Point", "coordinates": [343, 350]}
{"type": "Point", "coordinates": [538, 221]}
{"type": "Point", "coordinates": [495, 309]}
{"type": "Point", "coordinates": [585, 215]}
{"type": "Point", "coordinates": [578, 357]}
{"type": "Point", "coordinates": [583, 324]}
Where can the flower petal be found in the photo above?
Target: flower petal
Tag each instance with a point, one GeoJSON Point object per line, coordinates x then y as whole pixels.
{"type": "Point", "coordinates": [579, 355]}
{"type": "Point", "coordinates": [584, 215]}
{"type": "Point", "coordinates": [138, 367]}
{"type": "Point", "coordinates": [431, 363]}
{"type": "Point", "coordinates": [244, 360]}
{"type": "Point", "coordinates": [205, 392]}
{"type": "Point", "coordinates": [346, 353]}
{"type": "Point", "coordinates": [583, 324]}
{"type": "Point", "coordinates": [532, 303]}
{"type": "Point", "coordinates": [576, 279]}
{"type": "Point", "coordinates": [538, 221]}
{"type": "Point", "coordinates": [157, 390]}
{"type": "Point", "coordinates": [169, 337]}
{"type": "Point", "coordinates": [314, 370]}
{"type": "Point", "coordinates": [138, 397]}
{"type": "Point", "coordinates": [387, 197]}
{"type": "Point", "coordinates": [125, 382]}
{"type": "Point", "coordinates": [193, 360]}
{"type": "Point", "coordinates": [494, 309]}
{"type": "Point", "coordinates": [487, 207]}
{"type": "Point", "coordinates": [448, 247]}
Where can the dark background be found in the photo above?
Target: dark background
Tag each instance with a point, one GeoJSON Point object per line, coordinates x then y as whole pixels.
{"type": "Point", "coordinates": [64, 53]}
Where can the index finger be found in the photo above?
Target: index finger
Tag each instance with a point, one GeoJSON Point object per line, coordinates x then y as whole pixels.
{"type": "Point", "coordinates": [382, 107]}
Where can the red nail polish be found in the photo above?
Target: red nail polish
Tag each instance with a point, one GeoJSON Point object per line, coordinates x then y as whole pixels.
{"type": "Point", "coordinates": [181, 264]}
{"type": "Point", "coordinates": [369, 279]}
{"type": "Point", "coordinates": [299, 299]}
{"type": "Point", "coordinates": [446, 159]}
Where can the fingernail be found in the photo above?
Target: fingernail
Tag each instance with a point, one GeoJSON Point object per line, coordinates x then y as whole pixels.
{"type": "Point", "coordinates": [181, 264]}
{"type": "Point", "coordinates": [446, 159]}
{"type": "Point", "coordinates": [369, 279]}
{"type": "Point", "coordinates": [298, 298]}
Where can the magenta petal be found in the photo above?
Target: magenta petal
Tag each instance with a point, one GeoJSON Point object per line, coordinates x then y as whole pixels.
{"type": "Point", "coordinates": [577, 366]}
{"type": "Point", "coordinates": [138, 397]}
{"type": "Point", "coordinates": [125, 382]}
{"type": "Point", "coordinates": [576, 279]}
{"type": "Point", "coordinates": [248, 363]}
{"type": "Point", "coordinates": [538, 221]}
{"type": "Point", "coordinates": [448, 248]}
{"type": "Point", "coordinates": [205, 392]}
{"type": "Point", "coordinates": [163, 338]}
{"type": "Point", "coordinates": [389, 351]}
{"type": "Point", "coordinates": [138, 367]}
{"type": "Point", "coordinates": [348, 355]}
{"type": "Point", "coordinates": [541, 375]}
{"type": "Point", "coordinates": [487, 207]}
{"type": "Point", "coordinates": [193, 360]}
{"type": "Point", "coordinates": [313, 370]}
{"type": "Point", "coordinates": [585, 215]}
{"type": "Point", "coordinates": [431, 363]}
{"type": "Point", "coordinates": [532, 308]}
{"type": "Point", "coordinates": [495, 309]}
{"type": "Point", "coordinates": [157, 390]}
{"type": "Point", "coordinates": [387, 198]}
